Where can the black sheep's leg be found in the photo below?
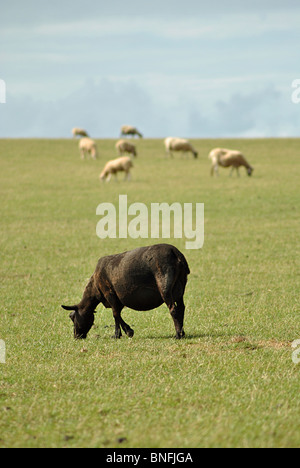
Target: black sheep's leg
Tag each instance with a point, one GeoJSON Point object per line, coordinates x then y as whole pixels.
{"type": "Point", "coordinates": [129, 332]}
{"type": "Point", "coordinates": [117, 316]}
{"type": "Point", "coordinates": [165, 286]}
{"type": "Point", "coordinates": [178, 317]}
{"type": "Point", "coordinates": [117, 307]}
{"type": "Point", "coordinates": [177, 313]}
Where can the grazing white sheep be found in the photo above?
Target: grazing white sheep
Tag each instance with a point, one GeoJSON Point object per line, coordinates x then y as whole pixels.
{"type": "Point", "coordinates": [87, 145]}
{"type": "Point", "coordinates": [228, 158]}
{"type": "Point", "coordinates": [123, 164]}
{"type": "Point", "coordinates": [79, 132]}
{"type": "Point", "coordinates": [129, 130]}
{"type": "Point", "coordinates": [179, 144]}
{"type": "Point", "coordinates": [123, 146]}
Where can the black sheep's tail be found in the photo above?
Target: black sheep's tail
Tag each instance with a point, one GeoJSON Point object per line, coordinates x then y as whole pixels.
{"type": "Point", "coordinates": [181, 260]}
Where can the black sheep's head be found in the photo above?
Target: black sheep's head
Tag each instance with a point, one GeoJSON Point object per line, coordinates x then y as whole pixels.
{"type": "Point", "coordinates": [82, 320]}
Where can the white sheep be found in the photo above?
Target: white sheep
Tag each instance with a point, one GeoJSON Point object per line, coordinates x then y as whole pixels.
{"type": "Point", "coordinates": [129, 130]}
{"type": "Point", "coordinates": [123, 146]}
{"type": "Point", "coordinates": [123, 164]}
{"type": "Point", "coordinates": [228, 158]}
{"type": "Point", "coordinates": [87, 145]}
{"type": "Point", "coordinates": [179, 144]}
{"type": "Point", "coordinates": [79, 132]}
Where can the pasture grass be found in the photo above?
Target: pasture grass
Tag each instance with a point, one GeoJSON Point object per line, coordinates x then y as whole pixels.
{"type": "Point", "coordinates": [230, 383]}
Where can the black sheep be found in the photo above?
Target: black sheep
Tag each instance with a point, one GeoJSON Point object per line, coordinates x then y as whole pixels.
{"type": "Point", "coordinates": [141, 279]}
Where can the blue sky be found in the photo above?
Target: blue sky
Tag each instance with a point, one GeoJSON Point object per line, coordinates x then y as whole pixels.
{"type": "Point", "coordinates": [192, 69]}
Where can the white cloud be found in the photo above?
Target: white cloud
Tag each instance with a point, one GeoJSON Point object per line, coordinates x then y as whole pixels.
{"type": "Point", "coordinates": [102, 107]}
{"type": "Point", "coordinates": [220, 26]}
{"type": "Point", "coordinates": [166, 71]}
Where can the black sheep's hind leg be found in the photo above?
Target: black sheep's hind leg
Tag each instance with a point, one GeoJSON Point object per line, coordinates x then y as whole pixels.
{"type": "Point", "coordinates": [178, 317]}
{"type": "Point", "coordinates": [165, 287]}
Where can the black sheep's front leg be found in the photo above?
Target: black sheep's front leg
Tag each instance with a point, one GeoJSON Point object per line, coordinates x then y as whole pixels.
{"type": "Point", "coordinates": [129, 332]}
{"type": "Point", "coordinates": [119, 322]}
{"type": "Point", "coordinates": [117, 316]}
{"type": "Point", "coordinates": [117, 308]}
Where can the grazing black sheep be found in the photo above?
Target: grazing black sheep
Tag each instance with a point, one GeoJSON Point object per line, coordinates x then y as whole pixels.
{"type": "Point", "coordinates": [141, 279]}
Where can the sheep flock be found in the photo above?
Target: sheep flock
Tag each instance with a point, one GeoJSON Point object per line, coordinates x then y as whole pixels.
{"type": "Point", "coordinates": [220, 157]}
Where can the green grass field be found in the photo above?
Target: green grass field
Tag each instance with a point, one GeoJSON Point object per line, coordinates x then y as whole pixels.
{"type": "Point", "coordinates": [230, 383]}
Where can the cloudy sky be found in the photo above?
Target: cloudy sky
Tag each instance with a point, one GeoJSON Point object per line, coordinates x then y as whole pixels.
{"type": "Point", "coordinates": [193, 68]}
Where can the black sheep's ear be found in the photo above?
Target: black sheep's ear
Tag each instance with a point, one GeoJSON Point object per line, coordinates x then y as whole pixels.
{"type": "Point", "coordinates": [74, 307]}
